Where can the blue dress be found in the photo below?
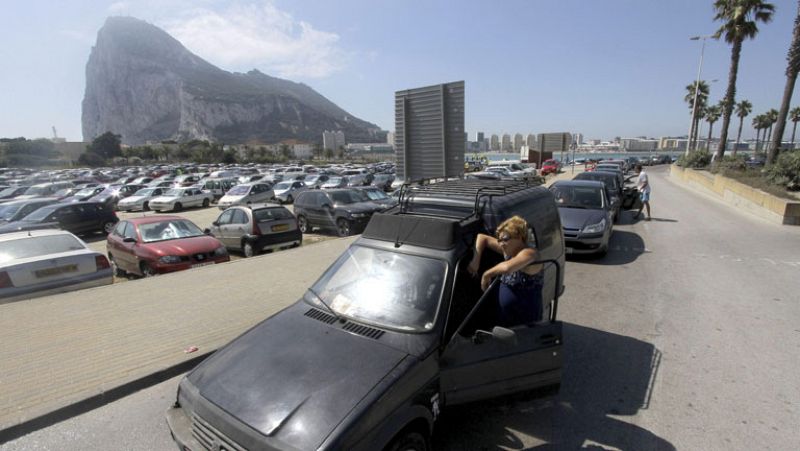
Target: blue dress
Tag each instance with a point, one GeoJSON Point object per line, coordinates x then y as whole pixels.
{"type": "Point", "coordinates": [520, 298]}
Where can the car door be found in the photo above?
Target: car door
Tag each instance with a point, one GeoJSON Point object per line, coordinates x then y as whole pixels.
{"type": "Point", "coordinates": [236, 229]}
{"type": "Point", "coordinates": [69, 219]}
{"type": "Point", "coordinates": [481, 363]}
{"type": "Point", "coordinates": [219, 227]}
{"type": "Point", "coordinates": [630, 195]}
{"type": "Point", "coordinates": [317, 208]}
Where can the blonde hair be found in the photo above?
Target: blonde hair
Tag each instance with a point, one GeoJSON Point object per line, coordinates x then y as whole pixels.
{"type": "Point", "coordinates": [515, 227]}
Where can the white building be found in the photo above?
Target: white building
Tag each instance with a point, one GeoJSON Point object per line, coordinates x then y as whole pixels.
{"type": "Point", "coordinates": [332, 139]}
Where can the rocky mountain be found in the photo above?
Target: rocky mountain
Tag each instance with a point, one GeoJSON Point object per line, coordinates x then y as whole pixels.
{"type": "Point", "coordinates": [143, 84]}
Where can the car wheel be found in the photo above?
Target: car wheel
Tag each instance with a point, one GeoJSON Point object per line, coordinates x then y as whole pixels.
{"type": "Point", "coordinates": [289, 199]}
{"type": "Point", "coordinates": [117, 271]}
{"type": "Point", "coordinates": [206, 203]}
{"type": "Point", "coordinates": [108, 227]}
{"type": "Point", "coordinates": [603, 251]}
{"type": "Point", "coordinates": [343, 227]}
{"type": "Point", "coordinates": [248, 250]}
{"type": "Point", "coordinates": [146, 206]}
{"type": "Point", "coordinates": [409, 441]}
{"type": "Point", "coordinates": [177, 206]}
{"type": "Point", "coordinates": [302, 224]}
{"type": "Point", "coordinates": [147, 270]}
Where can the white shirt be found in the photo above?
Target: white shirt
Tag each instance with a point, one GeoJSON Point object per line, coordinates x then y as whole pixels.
{"type": "Point", "coordinates": [642, 181]}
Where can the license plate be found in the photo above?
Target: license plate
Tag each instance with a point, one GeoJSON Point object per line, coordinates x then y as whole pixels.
{"type": "Point", "coordinates": [568, 250]}
{"type": "Point", "coordinates": [197, 265]}
{"type": "Point", "coordinates": [280, 228]}
{"type": "Point", "coordinates": [48, 272]}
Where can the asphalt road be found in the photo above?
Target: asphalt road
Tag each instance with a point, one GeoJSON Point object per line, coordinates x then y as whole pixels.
{"type": "Point", "coordinates": [685, 336]}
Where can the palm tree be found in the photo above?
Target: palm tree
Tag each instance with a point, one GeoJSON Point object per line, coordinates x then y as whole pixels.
{"type": "Point", "coordinates": [792, 68]}
{"type": "Point", "coordinates": [794, 116]}
{"type": "Point", "coordinates": [740, 18]}
{"type": "Point", "coordinates": [743, 109]}
{"type": "Point", "coordinates": [712, 115]}
{"type": "Point", "coordinates": [770, 117]}
{"type": "Point", "coordinates": [758, 124]}
{"type": "Point", "coordinates": [702, 97]}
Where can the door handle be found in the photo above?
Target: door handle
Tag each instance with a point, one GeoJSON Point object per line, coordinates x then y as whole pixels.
{"type": "Point", "coordinates": [549, 339]}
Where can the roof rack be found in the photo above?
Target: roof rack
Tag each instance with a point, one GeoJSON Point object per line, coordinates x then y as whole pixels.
{"type": "Point", "coordinates": [465, 188]}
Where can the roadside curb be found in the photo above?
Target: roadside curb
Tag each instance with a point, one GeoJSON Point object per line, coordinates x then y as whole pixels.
{"type": "Point", "coordinates": [94, 401]}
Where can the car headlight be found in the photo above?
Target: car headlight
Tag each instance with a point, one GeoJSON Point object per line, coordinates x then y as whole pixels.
{"type": "Point", "coordinates": [170, 259]}
{"type": "Point", "coordinates": [220, 251]}
{"type": "Point", "coordinates": [595, 228]}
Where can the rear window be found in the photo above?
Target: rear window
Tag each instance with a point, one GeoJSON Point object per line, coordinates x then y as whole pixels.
{"type": "Point", "coordinates": [272, 214]}
{"type": "Point", "coordinates": [37, 246]}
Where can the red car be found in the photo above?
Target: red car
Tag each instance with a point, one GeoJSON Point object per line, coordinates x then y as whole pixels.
{"type": "Point", "coordinates": [160, 244]}
{"type": "Point", "coordinates": [549, 167]}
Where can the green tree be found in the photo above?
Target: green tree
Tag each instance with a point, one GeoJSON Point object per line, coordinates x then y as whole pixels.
{"type": "Point", "coordinates": [758, 125]}
{"type": "Point", "coordinates": [794, 116]}
{"type": "Point", "coordinates": [702, 98]}
{"type": "Point", "coordinates": [743, 109]}
{"type": "Point", "coordinates": [770, 117]}
{"type": "Point", "coordinates": [286, 152]}
{"type": "Point", "coordinates": [91, 159]}
{"type": "Point", "coordinates": [229, 156]}
{"type": "Point", "coordinates": [739, 22]}
{"type": "Point", "coordinates": [328, 153]}
{"type": "Point", "coordinates": [106, 146]}
{"type": "Point", "coordinates": [712, 115]}
{"type": "Point", "coordinates": [792, 68]}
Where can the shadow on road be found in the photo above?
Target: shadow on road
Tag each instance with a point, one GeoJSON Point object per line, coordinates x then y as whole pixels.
{"type": "Point", "coordinates": [604, 374]}
{"type": "Point", "coordinates": [623, 248]}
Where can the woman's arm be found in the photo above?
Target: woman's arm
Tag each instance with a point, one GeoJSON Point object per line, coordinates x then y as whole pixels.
{"type": "Point", "coordinates": [517, 262]}
{"type": "Point", "coordinates": [481, 242]}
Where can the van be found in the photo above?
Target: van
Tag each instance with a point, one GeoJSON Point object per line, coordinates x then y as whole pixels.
{"type": "Point", "coordinates": [218, 186]}
{"type": "Point", "coordinates": [397, 322]}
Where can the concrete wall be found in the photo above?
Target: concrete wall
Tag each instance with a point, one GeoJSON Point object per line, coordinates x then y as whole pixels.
{"type": "Point", "coordinates": [743, 197]}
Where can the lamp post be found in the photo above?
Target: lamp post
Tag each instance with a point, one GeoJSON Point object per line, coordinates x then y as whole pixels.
{"type": "Point", "coordinates": [696, 88]}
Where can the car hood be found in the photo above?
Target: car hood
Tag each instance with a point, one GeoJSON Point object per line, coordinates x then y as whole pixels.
{"type": "Point", "coordinates": [132, 199]}
{"type": "Point", "coordinates": [165, 199]}
{"type": "Point", "coordinates": [184, 246]}
{"type": "Point", "coordinates": [294, 378]}
{"type": "Point", "coordinates": [232, 198]}
{"type": "Point", "coordinates": [361, 207]}
{"type": "Point", "coordinates": [578, 218]}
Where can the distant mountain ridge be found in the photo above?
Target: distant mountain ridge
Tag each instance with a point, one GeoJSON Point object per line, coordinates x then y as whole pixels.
{"type": "Point", "coordinates": [143, 84]}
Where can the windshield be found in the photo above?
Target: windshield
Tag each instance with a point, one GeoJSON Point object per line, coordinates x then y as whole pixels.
{"type": "Point", "coordinates": [174, 193]}
{"type": "Point", "coordinates": [376, 195]}
{"type": "Point", "coordinates": [312, 179]}
{"type": "Point", "coordinates": [578, 196]}
{"type": "Point", "coordinates": [348, 197]}
{"type": "Point", "coordinates": [8, 191]}
{"type": "Point", "coordinates": [85, 192]}
{"type": "Point", "coordinates": [8, 210]}
{"type": "Point", "coordinates": [283, 185]}
{"type": "Point", "coordinates": [37, 190]}
{"type": "Point", "coordinates": [239, 190]}
{"type": "Point", "coordinates": [39, 214]}
{"type": "Point", "coordinates": [37, 246]}
{"type": "Point", "coordinates": [144, 192]}
{"type": "Point", "coordinates": [334, 181]}
{"type": "Point", "coordinates": [168, 230]}
{"type": "Point", "coordinates": [383, 288]}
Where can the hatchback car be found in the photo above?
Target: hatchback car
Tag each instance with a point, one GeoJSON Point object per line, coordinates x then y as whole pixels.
{"type": "Point", "coordinates": [161, 244]}
{"type": "Point", "coordinates": [612, 185]}
{"type": "Point", "coordinates": [247, 193]}
{"type": "Point", "coordinates": [345, 210]}
{"type": "Point", "coordinates": [550, 167]}
{"type": "Point", "coordinates": [257, 228]}
{"type": "Point", "coordinates": [140, 200]}
{"type": "Point", "coordinates": [336, 181]}
{"type": "Point", "coordinates": [42, 262]}
{"type": "Point", "coordinates": [178, 198]}
{"type": "Point", "coordinates": [586, 216]}
{"type": "Point", "coordinates": [287, 190]}
{"type": "Point", "coordinates": [78, 218]}
{"type": "Point", "coordinates": [315, 181]}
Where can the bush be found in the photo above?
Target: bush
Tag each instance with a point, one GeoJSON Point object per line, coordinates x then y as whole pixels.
{"type": "Point", "coordinates": [697, 159]}
{"type": "Point", "coordinates": [730, 164]}
{"type": "Point", "coordinates": [786, 170]}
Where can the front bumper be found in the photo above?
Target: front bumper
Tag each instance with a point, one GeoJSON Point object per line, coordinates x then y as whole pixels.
{"type": "Point", "coordinates": [164, 268]}
{"type": "Point", "coordinates": [585, 243]}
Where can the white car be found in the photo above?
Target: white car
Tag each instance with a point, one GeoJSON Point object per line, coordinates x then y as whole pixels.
{"type": "Point", "coordinates": [517, 170]}
{"type": "Point", "coordinates": [41, 262]}
{"type": "Point", "coordinates": [140, 200]}
{"type": "Point", "coordinates": [247, 193]}
{"type": "Point", "coordinates": [178, 198]}
{"type": "Point", "coordinates": [286, 191]}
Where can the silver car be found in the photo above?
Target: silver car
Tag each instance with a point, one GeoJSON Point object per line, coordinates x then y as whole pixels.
{"type": "Point", "coordinates": [140, 200]}
{"type": "Point", "coordinates": [41, 262]}
{"type": "Point", "coordinates": [247, 193]}
{"type": "Point", "coordinates": [287, 190]}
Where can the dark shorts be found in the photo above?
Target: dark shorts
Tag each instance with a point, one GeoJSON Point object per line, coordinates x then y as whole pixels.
{"type": "Point", "coordinates": [519, 304]}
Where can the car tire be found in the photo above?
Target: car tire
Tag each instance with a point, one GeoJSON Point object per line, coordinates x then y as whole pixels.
{"type": "Point", "coordinates": [117, 271]}
{"type": "Point", "coordinates": [108, 226]}
{"type": "Point", "coordinates": [343, 227]}
{"type": "Point", "coordinates": [248, 250]}
{"type": "Point", "coordinates": [289, 199]}
{"type": "Point", "coordinates": [409, 441]}
{"type": "Point", "coordinates": [146, 206]}
{"type": "Point", "coordinates": [178, 207]}
{"type": "Point", "coordinates": [602, 252]}
{"type": "Point", "coordinates": [206, 203]}
{"type": "Point", "coordinates": [302, 224]}
{"type": "Point", "coordinates": [147, 270]}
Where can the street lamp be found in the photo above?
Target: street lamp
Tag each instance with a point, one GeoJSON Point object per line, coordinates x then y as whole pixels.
{"type": "Point", "coordinates": [696, 88]}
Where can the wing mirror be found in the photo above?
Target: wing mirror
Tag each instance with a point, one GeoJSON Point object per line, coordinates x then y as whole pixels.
{"type": "Point", "coordinates": [207, 231]}
{"type": "Point", "coordinates": [215, 224]}
{"type": "Point", "coordinates": [501, 334]}
{"type": "Point", "coordinates": [129, 239]}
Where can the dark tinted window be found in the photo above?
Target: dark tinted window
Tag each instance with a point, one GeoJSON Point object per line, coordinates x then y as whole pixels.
{"type": "Point", "coordinates": [348, 197]}
{"type": "Point", "coordinates": [271, 214]}
{"type": "Point", "coordinates": [130, 231]}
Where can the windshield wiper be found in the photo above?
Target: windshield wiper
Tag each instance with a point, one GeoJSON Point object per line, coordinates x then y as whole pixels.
{"type": "Point", "coordinates": [341, 319]}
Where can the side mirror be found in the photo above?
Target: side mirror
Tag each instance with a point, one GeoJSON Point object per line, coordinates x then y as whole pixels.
{"type": "Point", "coordinates": [504, 335]}
{"type": "Point", "coordinates": [215, 224]}
{"type": "Point", "coordinates": [207, 231]}
{"type": "Point", "coordinates": [129, 239]}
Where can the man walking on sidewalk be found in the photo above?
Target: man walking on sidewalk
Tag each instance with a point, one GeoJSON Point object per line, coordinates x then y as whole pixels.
{"type": "Point", "coordinates": [643, 184]}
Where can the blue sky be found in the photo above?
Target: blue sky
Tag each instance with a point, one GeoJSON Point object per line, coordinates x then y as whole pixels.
{"type": "Point", "coordinates": [603, 68]}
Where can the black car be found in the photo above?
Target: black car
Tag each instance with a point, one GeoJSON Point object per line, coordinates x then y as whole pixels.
{"type": "Point", "coordinates": [84, 194]}
{"type": "Point", "coordinates": [112, 194]}
{"type": "Point", "coordinates": [395, 331]}
{"type": "Point", "coordinates": [613, 188]}
{"type": "Point", "coordinates": [383, 181]}
{"type": "Point", "coordinates": [18, 209]}
{"type": "Point", "coordinates": [78, 218]}
{"type": "Point", "coordinates": [12, 192]}
{"type": "Point", "coordinates": [344, 210]}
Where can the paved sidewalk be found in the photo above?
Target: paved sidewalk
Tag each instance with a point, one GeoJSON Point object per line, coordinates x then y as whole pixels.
{"type": "Point", "coordinates": [74, 351]}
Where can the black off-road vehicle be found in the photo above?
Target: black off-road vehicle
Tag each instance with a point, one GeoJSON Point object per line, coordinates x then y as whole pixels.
{"type": "Point", "coordinates": [392, 333]}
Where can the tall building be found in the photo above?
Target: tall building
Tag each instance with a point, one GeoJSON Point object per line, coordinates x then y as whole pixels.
{"type": "Point", "coordinates": [495, 143]}
{"type": "Point", "coordinates": [390, 138]}
{"type": "Point", "coordinates": [506, 143]}
{"type": "Point", "coordinates": [480, 137]}
{"type": "Point", "coordinates": [577, 138]}
{"type": "Point", "coordinates": [530, 141]}
{"type": "Point", "coordinates": [518, 142]}
{"type": "Point", "coordinates": [332, 139]}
